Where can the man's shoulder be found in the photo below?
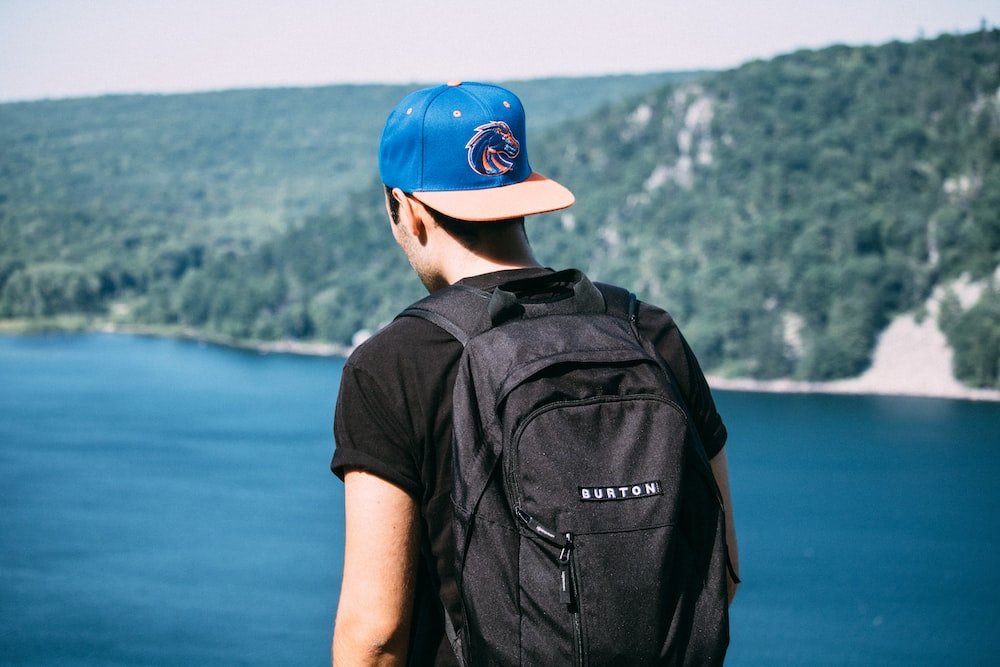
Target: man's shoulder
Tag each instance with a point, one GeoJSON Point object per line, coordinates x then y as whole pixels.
{"type": "Point", "coordinates": [654, 317]}
{"type": "Point", "coordinates": [651, 317]}
{"type": "Point", "coordinates": [403, 338]}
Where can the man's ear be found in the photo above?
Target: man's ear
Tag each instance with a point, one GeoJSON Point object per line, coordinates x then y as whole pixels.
{"type": "Point", "coordinates": [411, 214]}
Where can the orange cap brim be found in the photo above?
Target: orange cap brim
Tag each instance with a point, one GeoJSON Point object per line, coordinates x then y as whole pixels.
{"type": "Point", "coordinates": [535, 194]}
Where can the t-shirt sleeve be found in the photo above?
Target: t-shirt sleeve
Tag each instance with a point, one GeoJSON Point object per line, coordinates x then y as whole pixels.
{"type": "Point", "coordinates": [709, 422]}
{"type": "Point", "coordinates": [661, 329]}
{"type": "Point", "coordinates": [368, 436]}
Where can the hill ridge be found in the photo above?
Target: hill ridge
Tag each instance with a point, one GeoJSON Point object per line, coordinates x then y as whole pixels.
{"type": "Point", "coordinates": [785, 211]}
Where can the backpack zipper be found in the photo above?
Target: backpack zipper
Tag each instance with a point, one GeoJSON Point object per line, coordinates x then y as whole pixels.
{"type": "Point", "coordinates": [568, 590]}
{"type": "Point", "coordinates": [566, 572]}
{"type": "Point", "coordinates": [569, 595]}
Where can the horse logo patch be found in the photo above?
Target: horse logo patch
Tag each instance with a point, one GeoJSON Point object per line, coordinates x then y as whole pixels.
{"type": "Point", "coordinates": [492, 149]}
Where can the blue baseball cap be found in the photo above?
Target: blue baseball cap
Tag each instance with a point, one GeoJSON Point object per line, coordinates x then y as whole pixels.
{"type": "Point", "coordinates": [461, 148]}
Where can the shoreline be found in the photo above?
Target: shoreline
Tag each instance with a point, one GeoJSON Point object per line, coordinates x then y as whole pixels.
{"type": "Point", "coordinates": [299, 348]}
{"type": "Point", "coordinates": [874, 382]}
{"type": "Point", "coordinates": [849, 387]}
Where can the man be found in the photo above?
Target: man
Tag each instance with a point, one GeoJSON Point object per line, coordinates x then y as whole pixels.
{"type": "Point", "coordinates": [458, 184]}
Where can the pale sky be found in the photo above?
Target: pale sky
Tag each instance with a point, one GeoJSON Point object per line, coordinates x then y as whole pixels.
{"type": "Point", "coordinates": [60, 48]}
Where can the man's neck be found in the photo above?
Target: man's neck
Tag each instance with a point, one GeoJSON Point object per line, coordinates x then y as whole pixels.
{"type": "Point", "coordinates": [464, 263]}
{"type": "Point", "coordinates": [452, 260]}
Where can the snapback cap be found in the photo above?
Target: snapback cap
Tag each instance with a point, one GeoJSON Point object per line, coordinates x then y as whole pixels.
{"type": "Point", "coordinates": [461, 148]}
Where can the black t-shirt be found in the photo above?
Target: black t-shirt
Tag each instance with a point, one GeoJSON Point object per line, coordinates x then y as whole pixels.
{"type": "Point", "coordinates": [393, 419]}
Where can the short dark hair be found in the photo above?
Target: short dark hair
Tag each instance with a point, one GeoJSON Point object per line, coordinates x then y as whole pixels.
{"type": "Point", "coordinates": [469, 234]}
{"type": "Point", "coordinates": [393, 204]}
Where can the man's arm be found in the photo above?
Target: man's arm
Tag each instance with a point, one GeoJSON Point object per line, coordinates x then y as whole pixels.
{"type": "Point", "coordinates": [380, 563]}
{"type": "Point", "coordinates": [720, 469]}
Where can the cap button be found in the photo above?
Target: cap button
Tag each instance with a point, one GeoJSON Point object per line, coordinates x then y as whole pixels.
{"type": "Point", "coordinates": [454, 83]}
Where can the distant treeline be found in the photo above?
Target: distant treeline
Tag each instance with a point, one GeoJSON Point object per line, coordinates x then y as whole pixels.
{"type": "Point", "coordinates": [783, 211]}
{"type": "Point", "coordinates": [137, 201]}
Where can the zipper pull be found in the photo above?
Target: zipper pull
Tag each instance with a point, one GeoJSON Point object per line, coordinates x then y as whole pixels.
{"type": "Point", "coordinates": [538, 528]}
{"type": "Point", "coordinates": [565, 574]}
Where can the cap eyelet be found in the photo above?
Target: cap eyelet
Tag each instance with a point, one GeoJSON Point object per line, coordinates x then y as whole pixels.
{"type": "Point", "coordinates": [409, 111]}
{"type": "Point", "coordinates": [456, 113]}
{"type": "Point", "coordinates": [506, 104]}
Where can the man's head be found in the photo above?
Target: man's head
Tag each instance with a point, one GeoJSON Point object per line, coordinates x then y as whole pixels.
{"type": "Point", "coordinates": [461, 149]}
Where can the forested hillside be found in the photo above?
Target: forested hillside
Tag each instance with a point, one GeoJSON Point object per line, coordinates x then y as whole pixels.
{"type": "Point", "coordinates": [787, 209]}
{"type": "Point", "coordinates": [784, 211]}
{"type": "Point", "coordinates": [103, 200]}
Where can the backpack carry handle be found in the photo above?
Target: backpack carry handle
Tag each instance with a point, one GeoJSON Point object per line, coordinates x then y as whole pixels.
{"type": "Point", "coordinates": [504, 306]}
{"type": "Point", "coordinates": [563, 293]}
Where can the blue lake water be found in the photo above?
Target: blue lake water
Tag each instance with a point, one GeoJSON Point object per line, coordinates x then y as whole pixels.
{"type": "Point", "coordinates": [170, 503]}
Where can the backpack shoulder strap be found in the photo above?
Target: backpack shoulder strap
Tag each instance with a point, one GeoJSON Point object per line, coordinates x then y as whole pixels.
{"type": "Point", "coordinates": [458, 309]}
{"type": "Point", "coordinates": [620, 302]}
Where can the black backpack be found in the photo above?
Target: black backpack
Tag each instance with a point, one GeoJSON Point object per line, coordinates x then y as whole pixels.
{"type": "Point", "coordinates": [589, 528]}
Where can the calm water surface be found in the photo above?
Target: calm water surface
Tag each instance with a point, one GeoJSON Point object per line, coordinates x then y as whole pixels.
{"type": "Point", "coordinates": [170, 503]}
